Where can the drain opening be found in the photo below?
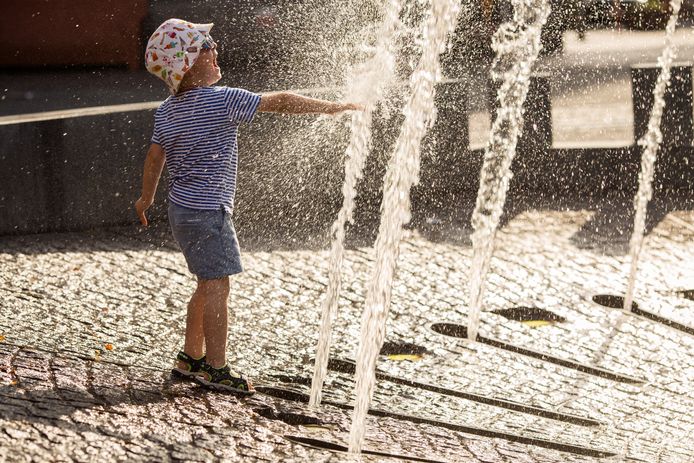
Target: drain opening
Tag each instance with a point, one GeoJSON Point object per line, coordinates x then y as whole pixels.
{"type": "Point", "coordinates": [333, 447]}
{"type": "Point", "coordinates": [292, 379]}
{"type": "Point", "coordinates": [613, 302]}
{"type": "Point", "coordinates": [617, 302]}
{"type": "Point", "coordinates": [451, 329]}
{"type": "Point", "coordinates": [402, 348]}
{"type": "Point", "coordinates": [687, 294]}
{"type": "Point", "coordinates": [299, 397]}
{"type": "Point", "coordinates": [317, 443]}
{"type": "Point", "coordinates": [292, 419]}
{"type": "Point", "coordinates": [285, 394]}
{"type": "Point", "coordinates": [348, 366]}
{"type": "Point", "coordinates": [403, 351]}
{"type": "Point", "coordinates": [531, 316]}
{"type": "Point", "coordinates": [460, 331]}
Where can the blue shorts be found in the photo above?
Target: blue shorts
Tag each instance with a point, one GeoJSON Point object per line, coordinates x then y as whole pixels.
{"type": "Point", "coordinates": [208, 241]}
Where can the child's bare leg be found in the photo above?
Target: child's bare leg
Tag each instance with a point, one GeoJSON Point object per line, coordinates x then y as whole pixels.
{"type": "Point", "coordinates": [216, 293]}
{"type": "Point", "coordinates": [195, 337]}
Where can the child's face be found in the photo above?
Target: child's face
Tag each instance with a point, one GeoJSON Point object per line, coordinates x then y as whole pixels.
{"type": "Point", "coordinates": [205, 71]}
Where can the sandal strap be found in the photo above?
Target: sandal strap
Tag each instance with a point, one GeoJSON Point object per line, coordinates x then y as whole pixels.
{"type": "Point", "coordinates": [225, 374]}
{"type": "Point", "coordinates": [193, 364]}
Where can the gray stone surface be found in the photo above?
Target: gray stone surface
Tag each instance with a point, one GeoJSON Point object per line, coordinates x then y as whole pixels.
{"type": "Point", "coordinates": [90, 323]}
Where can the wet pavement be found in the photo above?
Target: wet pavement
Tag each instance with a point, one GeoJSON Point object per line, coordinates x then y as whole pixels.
{"type": "Point", "coordinates": [90, 323]}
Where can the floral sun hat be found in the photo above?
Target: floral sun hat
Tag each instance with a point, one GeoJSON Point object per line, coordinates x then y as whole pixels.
{"type": "Point", "coordinates": [173, 49]}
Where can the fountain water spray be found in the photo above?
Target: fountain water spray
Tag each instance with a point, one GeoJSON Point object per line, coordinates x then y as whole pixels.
{"type": "Point", "coordinates": [517, 45]}
{"type": "Point", "coordinates": [401, 175]}
{"type": "Point", "coordinates": [369, 82]}
{"type": "Point", "coordinates": [651, 142]}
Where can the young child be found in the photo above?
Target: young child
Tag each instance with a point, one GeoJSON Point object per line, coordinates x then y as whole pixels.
{"type": "Point", "coordinates": [195, 136]}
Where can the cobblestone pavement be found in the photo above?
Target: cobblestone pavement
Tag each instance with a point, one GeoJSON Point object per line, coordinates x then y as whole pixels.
{"type": "Point", "coordinates": [90, 323]}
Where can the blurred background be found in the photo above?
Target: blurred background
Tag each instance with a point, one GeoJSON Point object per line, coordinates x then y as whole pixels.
{"type": "Point", "coordinates": [84, 172]}
{"type": "Point", "coordinates": [265, 43]}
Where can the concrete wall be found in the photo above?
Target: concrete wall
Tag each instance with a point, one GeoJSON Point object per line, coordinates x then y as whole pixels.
{"type": "Point", "coordinates": [71, 174]}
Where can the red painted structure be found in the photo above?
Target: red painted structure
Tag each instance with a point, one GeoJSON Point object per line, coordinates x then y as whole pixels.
{"type": "Point", "coordinates": [38, 33]}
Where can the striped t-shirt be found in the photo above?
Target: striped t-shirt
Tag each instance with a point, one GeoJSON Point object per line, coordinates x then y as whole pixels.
{"type": "Point", "coordinates": [197, 130]}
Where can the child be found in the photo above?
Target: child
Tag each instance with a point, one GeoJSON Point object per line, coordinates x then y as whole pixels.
{"type": "Point", "coordinates": [195, 135]}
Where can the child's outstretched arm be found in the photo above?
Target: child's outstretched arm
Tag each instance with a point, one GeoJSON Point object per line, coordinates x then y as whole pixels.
{"type": "Point", "coordinates": [154, 164]}
{"type": "Point", "coordinates": [291, 103]}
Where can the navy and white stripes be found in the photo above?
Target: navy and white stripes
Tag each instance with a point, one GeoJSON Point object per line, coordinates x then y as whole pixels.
{"type": "Point", "coordinates": [198, 132]}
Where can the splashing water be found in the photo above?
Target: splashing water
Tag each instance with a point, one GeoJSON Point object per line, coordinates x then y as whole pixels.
{"type": "Point", "coordinates": [651, 142]}
{"type": "Point", "coordinates": [517, 45]}
{"type": "Point", "coordinates": [367, 87]}
{"type": "Point", "coordinates": [402, 174]}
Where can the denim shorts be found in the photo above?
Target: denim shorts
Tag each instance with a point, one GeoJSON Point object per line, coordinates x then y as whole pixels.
{"type": "Point", "coordinates": [208, 241]}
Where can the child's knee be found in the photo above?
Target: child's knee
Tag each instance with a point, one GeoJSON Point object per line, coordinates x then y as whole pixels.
{"type": "Point", "coordinates": [215, 285]}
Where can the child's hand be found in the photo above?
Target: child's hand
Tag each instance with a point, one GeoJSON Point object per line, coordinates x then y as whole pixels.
{"type": "Point", "coordinates": [354, 107]}
{"type": "Point", "coordinates": [342, 107]}
{"type": "Point", "coordinates": [141, 206]}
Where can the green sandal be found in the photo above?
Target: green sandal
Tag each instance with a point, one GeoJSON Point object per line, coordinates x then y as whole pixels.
{"type": "Point", "coordinates": [224, 379]}
{"type": "Point", "coordinates": [193, 367]}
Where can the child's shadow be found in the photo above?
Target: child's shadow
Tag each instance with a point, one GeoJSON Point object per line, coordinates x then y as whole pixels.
{"type": "Point", "coordinates": [36, 402]}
